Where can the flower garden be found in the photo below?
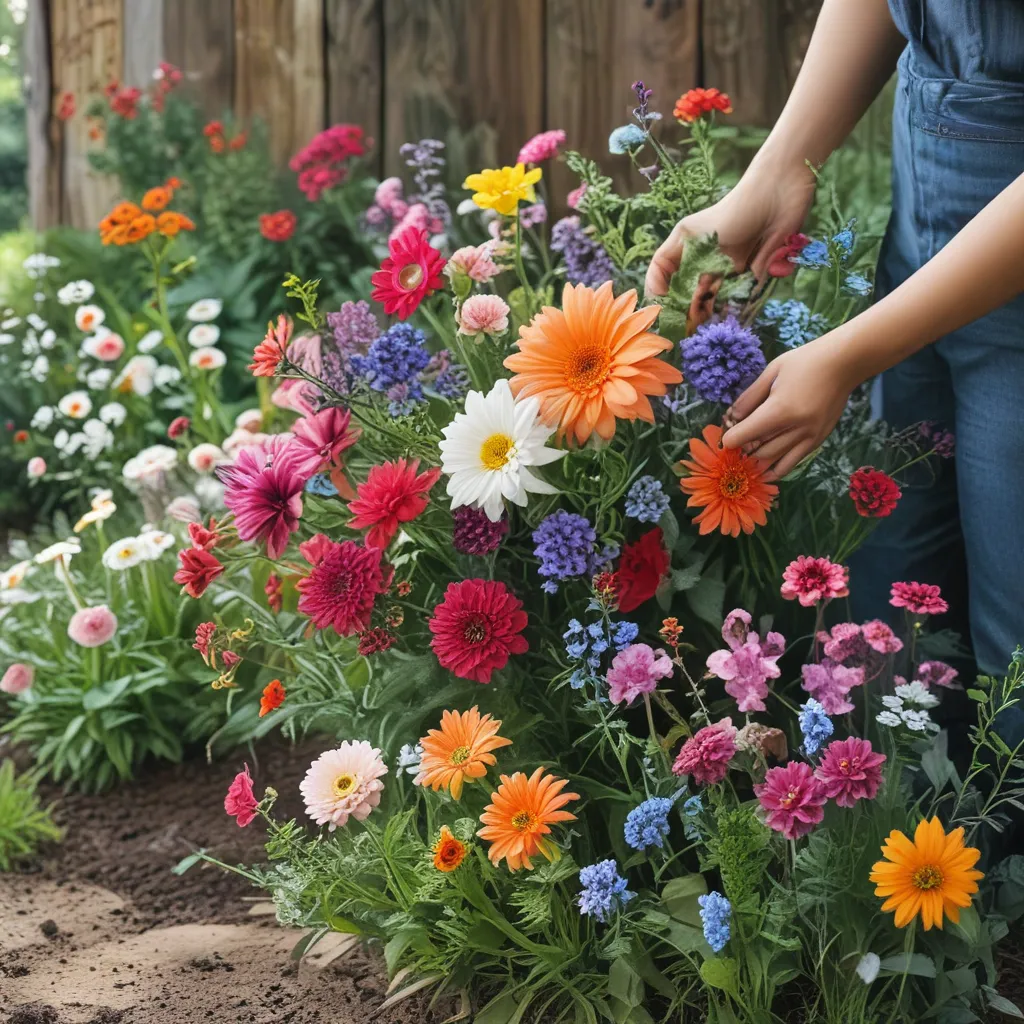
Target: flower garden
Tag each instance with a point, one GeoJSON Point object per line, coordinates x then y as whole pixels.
{"type": "Point", "coordinates": [418, 470]}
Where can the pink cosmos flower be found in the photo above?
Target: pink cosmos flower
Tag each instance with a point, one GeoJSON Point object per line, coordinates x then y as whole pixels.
{"type": "Point", "coordinates": [793, 799]}
{"type": "Point", "coordinates": [36, 467]}
{"type": "Point", "coordinates": [811, 580]}
{"type": "Point", "coordinates": [92, 627]}
{"type": "Point", "coordinates": [850, 771]}
{"type": "Point", "coordinates": [830, 684]}
{"type": "Point", "coordinates": [321, 438]}
{"type": "Point", "coordinates": [241, 802]}
{"type": "Point", "coordinates": [707, 753]}
{"type": "Point", "coordinates": [18, 678]}
{"type": "Point", "coordinates": [636, 671]}
{"type": "Point", "coordinates": [541, 147]}
{"type": "Point", "coordinates": [918, 598]}
{"type": "Point", "coordinates": [572, 200]}
{"type": "Point", "coordinates": [483, 314]}
{"type": "Point", "coordinates": [476, 262]}
{"type": "Point", "coordinates": [341, 588]}
{"type": "Point", "coordinates": [264, 489]}
{"type": "Point", "coordinates": [749, 663]}
{"type": "Point", "coordinates": [937, 673]}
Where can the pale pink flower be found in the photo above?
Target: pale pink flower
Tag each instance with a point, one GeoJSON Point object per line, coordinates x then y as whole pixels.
{"type": "Point", "coordinates": [107, 346]}
{"type": "Point", "coordinates": [830, 684]}
{"type": "Point", "coordinates": [389, 192]}
{"type": "Point", "coordinates": [749, 663]}
{"type": "Point", "coordinates": [241, 802]}
{"type": "Point", "coordinates": [483, 314]}
{"type": "Point", "coordinates": [850, 771]}
{"type": "Point", "coordinates": [812, 580]}
{"type": "Point", "coordinates": [184, 509]}
{"type": "Point", "coordinates": [881, 638]}
{"type": "Point", "coordinates": [250, 420]}
{"type": "Point", "coordinates": [18, 678]}
{"type": "Point", "coordinates": [793, 799]}
{"type": "Point", "coordinates": [543, 146]}
{"type": "Point", "coordinates": [417, 216]}
{"type": "Point", "coordinates": [36, 467]}
{"type": "Point", "coordinates": [572, 200]}
{"type": "Point", "coordinates": [205, 457]}
{"type": "Point", "coordinates": [635, 671]}
{"type": "Point", "coordinates": [707, 753]}
{"type": "Point", "coordinates": [475, 261]}
{"type": "Point", "coordinates": [92, 627]}
{"type": "Point", "coordinates": [343, 782]}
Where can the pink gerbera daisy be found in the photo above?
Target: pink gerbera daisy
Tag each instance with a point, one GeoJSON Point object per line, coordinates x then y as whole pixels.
{"type": "Point", "coordinates": [707, 753]}
{"type": "Point", "coordinates": [812, 580]}
{"type": "Point", "coordinates": [850, 771]}
{"type": "Point", "coordinates": [793, 799]}
{"type": "Point", "coordinates": [410, 273]}
{"type": "Point", "coordinates": [918, 598]}
{"type": "Point", "coordinates": [322, 436]}
{"type": "Point", "coordinates": [392, 494]}
{"type": "Point", "coordinates": [341, 588]}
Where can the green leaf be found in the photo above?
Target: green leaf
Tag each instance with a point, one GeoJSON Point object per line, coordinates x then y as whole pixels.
{"type": "Point", "coordinates": [680, 898]}
{"type": "Point", "coordinates": [502, 1009]}
{"type": "Point", "coordinates": [625, 984]}
{"type": "Point", "coordinates": [707, 599]}
{"type": "Point", "coordinates": [979, 695]}
{"type": "Point", "coordinates": [917, 964]}
{"type": "Point", "coordinates": [1003, 1005]}
{"type": "Point", "coordinates": [722, 972]}
{"type": "Point", "coordinates": [669, 529]}
{"type": "Point", "coordinates": [187, 862]}
{"type": "Point", "coordinates": [685, 579]}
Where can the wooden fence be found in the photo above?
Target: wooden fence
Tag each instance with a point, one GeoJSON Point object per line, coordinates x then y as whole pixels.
{"type": "Point", "coordinates": [497, 71]}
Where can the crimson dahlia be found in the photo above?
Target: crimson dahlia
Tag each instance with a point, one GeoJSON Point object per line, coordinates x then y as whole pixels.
{"type": "Point", "coordinates": [342, 586]}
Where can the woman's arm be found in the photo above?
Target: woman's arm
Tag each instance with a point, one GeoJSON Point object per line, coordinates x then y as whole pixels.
{"type": "Point", "coordinates": [793, 406]}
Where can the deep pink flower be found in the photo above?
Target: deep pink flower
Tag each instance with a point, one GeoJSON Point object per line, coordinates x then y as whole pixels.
{"type": "Point", "coordinates": [918, 598]}
{"type": "Point", "coordinates": [850, 771]}
{"type": "Point", "coordinates": [341, 588]}
{"type": "Point", "coordinates": [393, 493]}
{"type": "Point", "coordinates": [178, 426]}
{"type": "Point", "coordinates": [408, 274]}
{"type": "Point", "coordinates": [937, 673]}
{"type": "Point", "coordinates": [92, 627]}
{"type": "Point", "coordinates": [781, 263]}
{"type": "Point", "coordinates": [264, 489]}
{"type": "Point", "coordinates": [18, 678]}
{"type": "Point", "coordinates": [830, 684]}
{"type": "Point", "coordinates": [863, 647]}
{"type": "Point", "coordinates": [811, 580]}
{"type": "Point", "coordinates": [204, 634]}
{"type": "Point", "coordinates": [198, 570]}
{"type": "Point", "coordinates": [203, 538]}
{"type": "Point", "coordinates": [241, 802]}
{"type": "Point", "coordinates": [541, 147]}
{"type": "Point", "coordinates": [879, 637]}
{"type": "Point", "coordinates": [793, 799]}
{"type": "Point", "coordinates": [749, 663]}
{"type": "Point", "coordinates": [322, 437]}
{"type": "Point", "coordinates": [707, 753]}
{"type": "Point", "coordinates": [636, 671]}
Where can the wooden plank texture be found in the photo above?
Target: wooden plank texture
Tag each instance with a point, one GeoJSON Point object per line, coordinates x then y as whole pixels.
{"type": "Point", "coordinates": [199, 38]}
{"type": "Point", "coordinates": [43, 129]}
{"type": "Point", "coordinates": [143, 40]}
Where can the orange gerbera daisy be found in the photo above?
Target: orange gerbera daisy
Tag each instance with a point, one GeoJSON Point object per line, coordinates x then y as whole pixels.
{"type": "Point", "coordinates": [519, 816]}
{"type": "Point", "coordinates": [461, 749]}
{"type": "Point", "coordinates": [267, 355]}
{"type": "Point", "coordinates": [592, 362]}
{"type": "Point", "coordinates": [728, 484]}
{"type": "Point", "coordinates": [932, 876]}
{"type": "Point", "coordinates": [449, 852]}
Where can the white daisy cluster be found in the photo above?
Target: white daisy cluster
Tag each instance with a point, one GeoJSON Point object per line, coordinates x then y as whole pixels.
{"type": "Point", "coordinates": [909, 707]}
{"type": "Point", "coordinates": [129, 552]}
{"type": "Point", "coordinates": [204, 335]}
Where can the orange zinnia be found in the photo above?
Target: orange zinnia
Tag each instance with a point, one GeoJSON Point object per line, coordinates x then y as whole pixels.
{"type": "Point", "coordinates": [141, 227]}
{"type": "Point", "coordinates": [448, 851]}
{"type": "Point", "coordinates": [267, 356]}
{"type": "Point", "coordinates": [170, 223]}
{"type": "Point", "coordinates": [592, 362]}
{"type": "Point", "coordinates": [517, 819]}
{"type": "Point", "coordinates": [728, 484]}
{"type": "Point", "coordinates": [158, 198]}
{"type": "Point", "coordinates": [461, 749]}
{"type": "Point", "coordinates": [932, 876]}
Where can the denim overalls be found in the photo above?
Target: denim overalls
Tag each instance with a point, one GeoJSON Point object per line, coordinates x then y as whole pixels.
{"type": "Point", "coordinates": [958, 140]}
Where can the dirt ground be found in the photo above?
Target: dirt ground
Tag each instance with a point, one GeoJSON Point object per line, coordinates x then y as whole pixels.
{"type": "Point", "coordinates": [103, 933]}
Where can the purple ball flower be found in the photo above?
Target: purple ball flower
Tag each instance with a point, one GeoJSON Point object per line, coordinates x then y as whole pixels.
{"type": "Point", "coordinates": [564, 543]}
{"type": "Point", "coordinates": [474, 533]}
{"type": "Point", "coordinates": [721, 359]}
{"type": "Point", "coordinates": [586, 261]}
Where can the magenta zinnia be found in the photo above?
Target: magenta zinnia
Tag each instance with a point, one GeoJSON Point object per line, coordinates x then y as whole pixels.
{"type": "Point", "coordinates": [812, 580]}
{"type": "Point", "coordinates": [850, 771]}
{"type": "Point", "coordinates": [792, 798]}
{"type": "Point", "coordinates": [341, 588]}
{"type": "Point", "coordinates": [918, 598]}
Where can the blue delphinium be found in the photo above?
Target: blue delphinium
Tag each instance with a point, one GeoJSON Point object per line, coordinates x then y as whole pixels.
{"type": "Point", "coordinates": [626, 139]}
{"type": "Point", "coordinates": [393, 365]}
{"type": "Point", "coordinates": [604, 890]}
{"type": "Point", "coordinates": [721, 359]}
{"type": "Point", "coordinates": [646, 500]}
{"type": "Point", "coordinates": [320, 485]}
{"type": "Point", "coordinates": [623, 634]}
{"type": "Point", "coordinates": [815, 725]}
{"type": "Point", "coordinates": [793, 322]}
{"type": "Point", "coordinates": [715, 915]}
{"type": "Point", "coordinates": [588, 643]}
{"type": "Point", "coordinates": [449, 379]}
{"type": "Point", "coordinates": [815, 254]}
{"type": "Point", "coordinates": [857, 284]}
{"type": "Point", "coordinates": [586, 261]}
{"type": "Point", "coordinates": [647, 824]}
{"type": "Point", "coordinates": [564, 544]}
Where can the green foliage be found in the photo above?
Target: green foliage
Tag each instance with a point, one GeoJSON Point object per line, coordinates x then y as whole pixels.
{"type": "Point", "coordinates": [24, 823]}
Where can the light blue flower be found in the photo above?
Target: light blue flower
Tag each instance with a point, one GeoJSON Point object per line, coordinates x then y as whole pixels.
{"type": "Point", "coordinates": [647, 824]}
{"type": "Point", "coordinates": [792, 321]}
{"type": "Point", "coordinates": [626, 139]}
{"type": "Point", "coordinates": [604, 890]}
{"type": "Point", "coordinates": [624, 633]}
{"type": "Point", "coordinates": [857, 284]}
{"type": "Point", "coordinates": [815, 725]}
{"type": "Point", "coordinates": [716, 915]}
{"type": "Point", "coordinates": [320, 485]}
{"type": "Point", "coordinates": [646, 501]}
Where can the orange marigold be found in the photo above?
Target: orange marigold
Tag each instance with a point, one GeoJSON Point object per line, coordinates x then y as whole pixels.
{"type": "Point", "coordinates": [141, 227]}
{"type": "Point", "coordinates": [696, 102]}
{"type": "Point", "coordinates": [273, 697]}
{"type": "Point", "coordinates": [461, 749]}
{"type": "Point", "coordinates": [170, 223]}
{"type": "Point", "coordinates": [727, 484]}
{"type": "Point", "coordinates": [592, 362]}
{"type": "Point", "coordinates": [267, 355]}
{"type": "Point", "coordinates": [518, 819]}
{"type": "Point", "coordinates": [158, 198]}
{"type": "Point", "coordinates": [449, 852]}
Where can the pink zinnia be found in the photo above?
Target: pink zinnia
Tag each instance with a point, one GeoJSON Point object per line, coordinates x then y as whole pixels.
{"type": "Point", "coordinates": [830, 684]}
{"type": "Point", "coordinates": [707, 753]}
{"type": "Point", "coordinates": [341, 588]}
{"type": "Point", "coordinates": [793, 799]}
{"type": "Point", "coordinates": [392, 494]}
{"type": "Point", "coordinates": [541, 147]}
{"type": "Point", "coordinates": [18, 678]}
{"type": "Point", "coordinates": [850, 771]}
{"type": "Point", "coordinates": [264, 490]}
{"type": "Point", "coordinates": [476, 262]}
{"type": "Point", "coordinates": [322, 437]}
{"type": "Point", "coordinates": [198, 570]}
{"type": "Point", "coordinates": [241, 802]}
{"type": "Point", "coordinates": [749, 663]}
{"type": "Point", "coordinates": [636, 671]}
{"type": "Point", "coordinates": [92, 627]}
{"type": "Point", "coordinates": [483, 314]}
{"type": "Point", "coordinates": [936, 673]}
{"type": "Point", "coordinates": [918, 598]}
{"type": "Point", "coordinates": [811, 580]}
{"type": "Point", "coordinates": [879, 637]}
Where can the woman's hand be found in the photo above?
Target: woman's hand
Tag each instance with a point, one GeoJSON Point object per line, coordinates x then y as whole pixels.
{"type": "Point", "coordinates": [794, 405]}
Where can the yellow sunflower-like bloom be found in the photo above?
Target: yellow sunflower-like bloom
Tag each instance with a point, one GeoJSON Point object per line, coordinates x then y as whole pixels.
{"type": "Point", "coordinates": [503, 189]}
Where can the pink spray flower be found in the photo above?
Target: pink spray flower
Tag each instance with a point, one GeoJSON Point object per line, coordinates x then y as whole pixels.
{"type": "Point", "coordinates": [635, 671]}
{"type": "Point", "coordinates": [918, 598]}
{"type": "Point", "coordinates": [812, 580]}
{"type": "Point", "coordinates": [389, 192]}
{"type": "Point", "coordinates": [483, 314]}
{"type": "Point", "coordinates": [241, 802]}
{"type": "Point", "coordinates": [937, 673]}
{"type": "Point", "coordinates": [749, 663]}
{"type": "Point", "coordinates": [793, 799]}
{"type": "Point", "coordinates": [475, 261]}
{"type": "Point", "coordinates": [18, 678]}
{"type": "Point", "coordinates": [830, 684]}
{"type": "Point", "coordinates": [321, 438]}
{"type": "Point", "coordinates": [541, 147]}
{"type": "Point", "coordinates": [880, 638]}
{"type": "Point", "coordinates": [92, 627]}
{"type": "Point", "coordinates": [850, 771]}
{"type": "Point", "coordinates": [707, 753]}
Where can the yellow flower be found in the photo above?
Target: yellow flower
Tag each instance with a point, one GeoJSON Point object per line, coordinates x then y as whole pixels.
{"type": "Point", "coordinates": [502, 190]}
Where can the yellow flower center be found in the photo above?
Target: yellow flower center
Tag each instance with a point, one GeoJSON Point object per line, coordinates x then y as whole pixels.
{"type": "Point", "coordinates": [733, 483]}
{"type": "Point", "coordinates": [927, 877]}
{"type": "Point", "coordinates": [344, 784]}
{"type": "Point", "coordinates": [410, 276]}
{"type": "Point", "coordinates": [788, 799]}
{"type": "Point", "coordinates": [497, 451]}
{"type": "Point", "coordinates": [844, 766]}
{"type": "Point", "coordinates": [460, 755]}
{"type": "Point", "coordinates": [523, 821]}
{"type": "Point", "coordinates": [587, 369]}
{"type": "Point", "coordinates": [125, 553]}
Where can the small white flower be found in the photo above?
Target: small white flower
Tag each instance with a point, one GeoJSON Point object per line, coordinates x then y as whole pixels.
{"type": "Point", "coordinates": [75, 292]}
{"type": "Point", "coordinates": [6, 339]}
{"type": "Point", "coordinates": [207, 358]}
{"type": "Point", "coordinates": [138, 375]}
{"type": "Point", "coordinates": [47, 339]}
{"type": "Point", "coordinates": [155, 543]}
{"type": "Point", "coordinates": [409, 758]}
{"type": "Point", "coordinates": [40, 369]}
{"type": "Point", "coordinates": [205, 458]}
{"type": "Point", "coordinates": [9, 322]}
{"type": "Point", "coordinates": [467, 206]}
{"type": "Point", "coordinates": [124, 554]}
{"type": "Point", "coordinates": [150, 462]}
{"type": "Point", "coordinates": [60, 439]}
{"type": "Point", "coordinates": [250, 420]}
{"type": "Point", "coordinates": [150, 340]}
{"type": "Point", "coordinates": [88, 318]}
{"type": "Point", "coordinates": [210, 491]}
{"type": "Point", "coordinates": [36, 322]}
{"type": "Point", "coordinates": [889, 718]}
{"type": "Point", "coordinates": [113, 413]}
{"type": "Point", "coordinates": [98, 379]}
{"type": "Point", "coordinates": [15, 576]}
{"type": "Point", "coordinates": [165, 376]}
{"type": "Point", "coordinates": [36, 265]}
{"type": "Point", "coordinates": [868, 966]}
{"type": "Point", "coordinates": [62, 549]}
{"type": "Point", "coordinates": [893, 703]}
{"type": "Point", "coordinates": [917, 693]}
{"type": "Point", "coordinates": [203, 334]}
{"type": "Point", "coordinates": [18, 596]}
{"type": "Point", "coordinates": [204, 310]}
{"type": "Point", "coordinates": [76, 405]}
{"type": "Point", "coordinates": [30, 346]}
{"type": "Point", "coordinates": [98, 437]}
{"type": "Point", "coordinates": [916, 721]}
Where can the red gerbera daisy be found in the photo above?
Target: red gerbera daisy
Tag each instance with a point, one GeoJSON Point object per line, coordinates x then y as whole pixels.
{"type": "Point", "coordinates": [918, 598]}
{"type": "Point", "coordinates": [392, 494]}
{"type": "Point", "coordinates": [340, 590]}
{"type": "Point", "coordinates": [409, 274]}
{"type": "Point", "coordinates": [873, 492]}
{"type": "Point", "coordinates": [643, 564]}
{"type": "Point", "coordinates": [476, 627]}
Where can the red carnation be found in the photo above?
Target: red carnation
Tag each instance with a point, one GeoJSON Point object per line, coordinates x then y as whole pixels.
{"type": "Point", "coordinates": [918, 598]}
{"type": "Point", "coordinates": [409, 274]}
{"type": "Point", "coordinates": [203, 538]}
{"type": "Point", "coordinates": [874, 493]}
{"type": "Point", "coordinates": [198, 570]}
{"type": "Point", "coordinates": [392, 494]}
{"type": "Point", "coordinates": [341, 588]}
{"type": "Point", "coordinates": [641, 569]}
{"type": "Point", "coordinates": [278, 227]}
{"type": "Point", "coordinates": [476, 627]}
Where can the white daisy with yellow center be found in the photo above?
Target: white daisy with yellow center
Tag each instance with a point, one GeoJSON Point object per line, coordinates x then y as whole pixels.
{"type": "Point", "coordinates": [124, 554]}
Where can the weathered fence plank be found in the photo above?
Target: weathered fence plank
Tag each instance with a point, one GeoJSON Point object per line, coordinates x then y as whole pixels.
{"type": "Point", "coordinates": [43, 129]}
{"type": "Point", "coordinates": [199, 38]}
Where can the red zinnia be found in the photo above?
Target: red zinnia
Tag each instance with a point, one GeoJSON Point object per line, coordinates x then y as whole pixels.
{"type": "Point", "coordinates": [874, 493]}
{"type": "Point", "coordinates": [392, 494]}
{"type": "Point", "coordinates": [696, 102]}
{"type": "Point", "coordinates": [273, 697]}
{"type": "Point", "coordinates": [476, 627]}
{"type": "Point", "coordinates": [340, 590]}
{"type": "Point", "coordinates": [21, 437]}
{"type": "Point", "coordinates": [810, 580]}
{"type": "Point", "coordinates": [641, 569]}
{"type": "Point", "coordinates": [198, 570]}
{"type": "Point", "coordinates": [267, 356]}
{"type": "Point", "coordinates": [278, 227]}
{"type": "Point", "coordinates": [203, 538]}
{"type": "Point", "coordinates": [918, 598]}
{"type": "Point", "coordinates": [409, 274]}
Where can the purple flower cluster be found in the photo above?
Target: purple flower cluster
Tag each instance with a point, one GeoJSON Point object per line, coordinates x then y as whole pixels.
{"type": "Point", "coordinates": [474, 533]}
{"type": "Point", "coordinates": [586, 261]}
{"type": "Point", "coordinates": [447, 378]}
{"type": "Point", "coordinates": [564, 544]}
{"type": "Point", "coordinates": [393, 364]}
{"type": "Point", "coordinates": [354, 328]}
{"type": "Point", "coordinates": [721, 359]}
{"type": "Point", "coordinates": [427, 164]}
